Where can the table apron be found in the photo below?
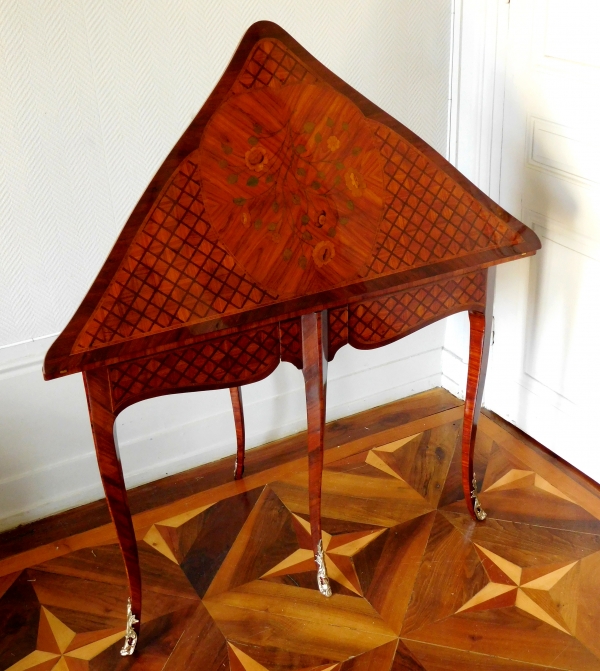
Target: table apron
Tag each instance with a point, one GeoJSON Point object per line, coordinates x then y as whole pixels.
{"type": "Point", "coordinates": [253, 354]}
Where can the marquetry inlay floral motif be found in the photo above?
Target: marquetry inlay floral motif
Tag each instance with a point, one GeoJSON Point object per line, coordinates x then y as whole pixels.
{"type": "Point", "coordinates": [290, 190]}
{"type": "Point", "coordinates": [293, 174]}
{"type": "Point", "coordinates": [257, 159]}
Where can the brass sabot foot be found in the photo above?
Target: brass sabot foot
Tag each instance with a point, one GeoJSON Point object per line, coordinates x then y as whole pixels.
{"type": "Point", "coordinates": [130, 633]}
{"type": "Point", "coordinates": [322, 578]}
{"type": "Point", "coordinates": [235, 471]}
{"type": "Point", "coordinates": [480, 513]}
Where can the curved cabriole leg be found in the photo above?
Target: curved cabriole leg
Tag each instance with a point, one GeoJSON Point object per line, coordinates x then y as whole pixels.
{"type": "Point", "coordinates": [314, 353]}
{"type": "Point", "coordinates": [479, 350]}
{"type": "Point", "coordinates": [471, 414]}
{"type": "Point", "coordinates": [240, 431]}
{"type": "Point", "coordinates": [103, 421]}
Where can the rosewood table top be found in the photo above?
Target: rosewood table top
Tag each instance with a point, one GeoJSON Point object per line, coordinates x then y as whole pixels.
{"type": "Point", "coordinates": [289, 192]}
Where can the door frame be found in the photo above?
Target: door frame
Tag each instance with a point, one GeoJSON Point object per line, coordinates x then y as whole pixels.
{"type": "Point", "coordinates": [477, 77]}
{"type": "Point", "coordinates": [475, 120]}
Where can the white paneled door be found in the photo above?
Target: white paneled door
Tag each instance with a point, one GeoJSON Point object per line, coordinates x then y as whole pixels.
{"type": "Point", "coordinates": [546, 362]}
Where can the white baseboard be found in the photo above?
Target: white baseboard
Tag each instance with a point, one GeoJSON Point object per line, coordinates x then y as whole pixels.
{"type": "Point", "coordinates": [563, 427]}
{"type": "Point", "coordinates": [454, 373]}
{"type": "Point", "coordinates": [47, 460]}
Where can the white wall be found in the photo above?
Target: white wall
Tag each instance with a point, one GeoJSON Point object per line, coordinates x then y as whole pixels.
{"type": "Point", "coordinates": [46, 450]}
{"type": "Point", "coordinates": [94, 95]}
{"type": "Point", "coordinates": [544, 367]}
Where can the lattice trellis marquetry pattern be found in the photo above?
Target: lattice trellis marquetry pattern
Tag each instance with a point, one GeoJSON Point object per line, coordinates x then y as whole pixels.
{"type": "Point", "coordinates": [338, 330]}
{"type": "Point", "coordinates": [291, 336]}
{"type": "Point", "coordinates": [226, 361]}
{"type": "Point", "coordinates": [291, 341]}
{"type": "Point", "coordinates": [271, 64]}
{"type": "Point", "coordinates": [175, 272]}
{"type": "Point", "coordinates": [284, 189]}
{"type": "Point", "coordinates": [389, 317]}
{"type": "Point", "coordinates": [287, 188]}
{"type": "Point", "coordinates": [428, 216]}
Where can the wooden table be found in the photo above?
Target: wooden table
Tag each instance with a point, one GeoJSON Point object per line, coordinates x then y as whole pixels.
{"type": "Point", "coordinates": [292, 217]}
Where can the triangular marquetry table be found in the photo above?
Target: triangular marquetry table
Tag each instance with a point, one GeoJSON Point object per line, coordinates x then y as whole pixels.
{"type": "Point", "coordinates": [293, 216]}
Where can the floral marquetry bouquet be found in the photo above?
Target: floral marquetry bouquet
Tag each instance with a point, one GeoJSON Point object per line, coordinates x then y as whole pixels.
{"type": "Point", "coordinates": [292, 182]}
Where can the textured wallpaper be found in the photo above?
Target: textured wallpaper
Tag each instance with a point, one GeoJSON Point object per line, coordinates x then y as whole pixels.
{"type": "Point", "coordinates": [93, 95]}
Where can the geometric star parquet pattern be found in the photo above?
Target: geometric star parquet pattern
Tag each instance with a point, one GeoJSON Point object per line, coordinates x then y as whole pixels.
{"type": "Point", "coordinates": [230, 583]}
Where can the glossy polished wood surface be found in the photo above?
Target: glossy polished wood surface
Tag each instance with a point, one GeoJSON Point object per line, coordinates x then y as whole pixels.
{"type": "Point", "coordinates": [289, 193]}
{"type": "Point", "coordinates": [416, 583]}
{"type": "Point", "coordinates": [51, 530]}
{"type": "Point", "coordinates": [102, 420]}
{"type": "Point", "coordinates": [477, 328]}
{"type": "Point", "coordinates": [240, 431]}
{"type": "Point", "coordinates": [314, 354]}
{"type": "Point", "coordinates": [291, 218]}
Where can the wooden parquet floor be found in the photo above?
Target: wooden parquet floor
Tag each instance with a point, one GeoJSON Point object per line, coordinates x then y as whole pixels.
{"type": "Point", "coordinates": [230, 584]}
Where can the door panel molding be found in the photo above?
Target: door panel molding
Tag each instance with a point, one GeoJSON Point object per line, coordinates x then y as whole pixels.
{"type": "Point", "coordinates": [569, 38]}
{"type": "Point", "coordinates": [564, 151]}
{"type": "Point", "coordinates": [545, 362]}
{"type": "Point", "coordinates": [561, 234]}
